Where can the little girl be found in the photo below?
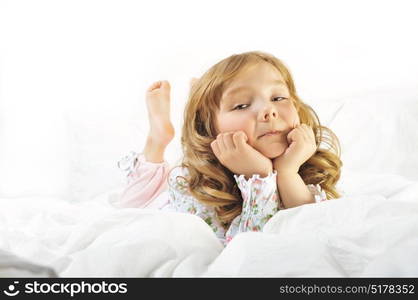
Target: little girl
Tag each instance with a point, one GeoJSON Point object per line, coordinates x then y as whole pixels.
{"type": "Point", "coordinates": [251, 147]}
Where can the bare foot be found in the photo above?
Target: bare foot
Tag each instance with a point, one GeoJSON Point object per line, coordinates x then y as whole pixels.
{"type": "Point", "coordinates": [158, 105]}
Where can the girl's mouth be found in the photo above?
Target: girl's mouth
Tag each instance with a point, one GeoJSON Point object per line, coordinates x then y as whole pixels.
{"type": "Point", "coordinates": [271, 133]}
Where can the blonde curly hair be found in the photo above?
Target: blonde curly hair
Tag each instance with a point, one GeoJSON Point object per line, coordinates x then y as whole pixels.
{"type": "Point", "coordinates": [208, 180]}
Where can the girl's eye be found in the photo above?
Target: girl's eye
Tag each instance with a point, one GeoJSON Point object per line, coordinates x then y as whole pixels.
{"type": "Point", "coordinates": [280, 98]}
{"type": "Point", "coordinates": [241, 106]}
{"type": "Point", "coordinates": [238, 107]}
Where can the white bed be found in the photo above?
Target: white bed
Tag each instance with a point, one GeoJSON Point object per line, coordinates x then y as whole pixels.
{"type": "Point", "coordinates": [370, 231]}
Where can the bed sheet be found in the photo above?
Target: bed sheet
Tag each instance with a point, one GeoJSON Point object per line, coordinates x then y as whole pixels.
{"type": "Point", "coordinates": [371, 230]}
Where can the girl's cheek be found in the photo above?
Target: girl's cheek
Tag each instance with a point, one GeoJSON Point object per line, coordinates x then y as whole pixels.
{"type": "Point", "coordinates": [235, 124]}
{"type": "Point", "coordinates": [291, 116]}
{"type": "Point", "coordinates": [296, 120]}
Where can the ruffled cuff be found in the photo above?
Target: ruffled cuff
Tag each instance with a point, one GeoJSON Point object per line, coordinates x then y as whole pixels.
{"type": "Point", "coordinates": [317, 192]}
{"type": "Point", "coordinates": [127, 163]}
{"type": "Point", "coordinates": [257, 190]}
{"type": "Point", "coordinates": [130, 163]}
{"type": "Point", "coordinates": [255, 183]}
{"type": "Point", "coordinates": [260, 200]}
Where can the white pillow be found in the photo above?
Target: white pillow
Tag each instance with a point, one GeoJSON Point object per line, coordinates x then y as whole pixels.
{"type": "Point", "coordinates": [33, 153]}
{"type": "Point", "coordinates": [96, 142]}
{"type": "Point", "coordinates": [378, 132]}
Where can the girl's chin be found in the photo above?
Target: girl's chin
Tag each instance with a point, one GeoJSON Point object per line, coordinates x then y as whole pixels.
{"type": "Point", "coordinates": [273, 153]}
{"type": "Point", "coordinates": [271, 150]}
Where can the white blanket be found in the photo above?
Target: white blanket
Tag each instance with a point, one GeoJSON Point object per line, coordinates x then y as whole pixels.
{"type": "Point", "coordinates": [370, 231]}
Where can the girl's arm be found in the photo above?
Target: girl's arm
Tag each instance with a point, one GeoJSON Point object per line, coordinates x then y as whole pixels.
{"type": "Point", "coordinates": [302, 146]}
{"type": "Point", "coordinates": [260, 202]}
{"type": "Point", "coordinates": [293, 191]}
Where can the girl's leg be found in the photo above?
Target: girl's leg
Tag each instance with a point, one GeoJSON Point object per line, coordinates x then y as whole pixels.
{"type": "Point", "coordinates": [161, 129]}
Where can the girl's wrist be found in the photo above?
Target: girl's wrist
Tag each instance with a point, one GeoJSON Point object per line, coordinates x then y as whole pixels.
{"type": "Point", "coordinates": [279, 167]}
{"type": "Point", "coordinates": [286, 170]}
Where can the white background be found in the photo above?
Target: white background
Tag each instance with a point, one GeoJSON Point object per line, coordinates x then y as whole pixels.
{"type": "Point", "coordinates": [73, 73]}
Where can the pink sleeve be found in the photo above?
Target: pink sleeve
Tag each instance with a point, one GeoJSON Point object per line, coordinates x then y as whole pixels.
{"type": "Point", "coordinates": [146, 181]}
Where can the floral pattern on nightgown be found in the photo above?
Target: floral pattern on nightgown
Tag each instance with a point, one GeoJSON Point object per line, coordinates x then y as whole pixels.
{"type": "Point", "coordinates": [260, 199]}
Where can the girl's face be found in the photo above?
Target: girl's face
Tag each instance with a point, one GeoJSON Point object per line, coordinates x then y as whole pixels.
{"type": "Point", "coordinates": [257, 101]}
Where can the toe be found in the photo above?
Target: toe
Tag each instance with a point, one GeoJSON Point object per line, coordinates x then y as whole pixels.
{"type": "Point", "coordinates": [165, 85]}
{"type": "Point", "coordinates": [154, 86]}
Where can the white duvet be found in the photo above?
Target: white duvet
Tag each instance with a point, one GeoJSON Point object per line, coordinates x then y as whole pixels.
{"type": "Point", "coordinates": [370, 231]}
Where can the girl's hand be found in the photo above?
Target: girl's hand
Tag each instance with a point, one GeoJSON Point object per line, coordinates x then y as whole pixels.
{"type": "Point", "coordinates": [233, 151]}
{"type": "Point", "coordinates": [302, 146]}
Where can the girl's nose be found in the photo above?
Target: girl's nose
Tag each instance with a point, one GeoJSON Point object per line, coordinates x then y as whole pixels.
{"type": "Point", "coordinates": [269, 113]}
